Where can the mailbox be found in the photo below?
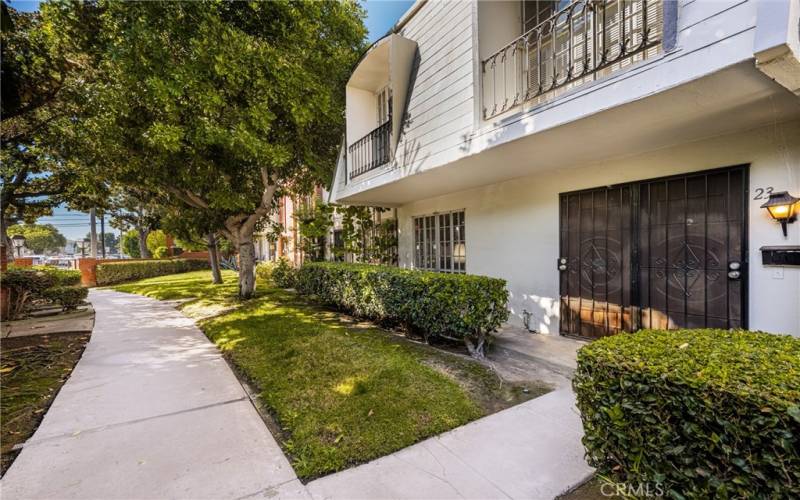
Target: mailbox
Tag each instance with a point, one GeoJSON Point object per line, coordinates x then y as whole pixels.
{"type": "Point", "coordinates": [780, 256]}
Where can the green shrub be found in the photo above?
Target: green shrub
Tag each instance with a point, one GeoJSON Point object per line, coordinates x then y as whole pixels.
{"type": "Point", "coordinates": [456, 306]}
{"type": "Point", "coordinates": [264, 271]}
{"type": "Point", "coordinates": [160, 252]}
{"type": "Point", "coordinates": [284, 274]}
{"type": "Point", "coordinates": [25, 286]}
{"type": "Point", "coordinates": [705, 413]}
{"type": "Point", "coordinates": [110, 273]}
{"type": "Point", "coordinates": [69, 297]}
{"type": "Point", "coordinates": [62, 277]}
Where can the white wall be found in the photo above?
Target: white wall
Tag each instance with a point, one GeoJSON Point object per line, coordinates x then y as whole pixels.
{"type": "Point", "coordinates": [512, 227]}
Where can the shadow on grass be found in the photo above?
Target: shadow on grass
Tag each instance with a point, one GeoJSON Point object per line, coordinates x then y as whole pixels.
{"type": "Point", "coordinates": [341, 394]}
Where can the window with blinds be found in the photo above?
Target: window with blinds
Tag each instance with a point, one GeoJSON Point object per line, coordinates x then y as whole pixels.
{"type": "Point", "coordinates": [440, 242]}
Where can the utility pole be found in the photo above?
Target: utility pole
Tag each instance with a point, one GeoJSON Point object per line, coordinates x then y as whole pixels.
{"type": "Point", "coordinates": [103, 234]}
{"type": "Point", "coordinates": [93, 236]}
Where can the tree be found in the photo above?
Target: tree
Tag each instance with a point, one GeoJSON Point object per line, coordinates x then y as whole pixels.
{"type": "Point", "coordinates": [43, 77]}
{"type": "Point", "coordinates": [314, 221]}
{"type": "Point", "coordinates": [40, 238]}
{"type": "Point", "coordinates": [130, 207]}
{"type": "Point", "coordinates": [129, 243]}
{"type": "Point", "coordinates": [155, 240]}
{"type": "Point", "coordinates": [224, 106]}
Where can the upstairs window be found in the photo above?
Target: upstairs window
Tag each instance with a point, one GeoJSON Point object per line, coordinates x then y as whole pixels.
{"type": "Point", "coordinates": [383, 106]}
{"type": "Point", "coordinates": [440, 242]}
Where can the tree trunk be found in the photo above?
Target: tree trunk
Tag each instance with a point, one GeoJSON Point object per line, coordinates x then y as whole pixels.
{"type": "Point", "coordinates": [476, 350]}
{"type": "Point", "coordinates": [144, 252]}
{"type": "Point", "coordinates": [247, 267]}
{"type": "Point", "coordinates": [9, 247]}
{"type": "Point", "coordinates": [213, 259]}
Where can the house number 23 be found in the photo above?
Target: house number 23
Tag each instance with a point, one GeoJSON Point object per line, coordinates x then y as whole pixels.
{"type": "Point", "coordinates": [762, 193]}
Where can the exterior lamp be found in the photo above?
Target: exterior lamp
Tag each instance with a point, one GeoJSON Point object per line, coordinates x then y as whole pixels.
{"type": "Point", "coordinates": [83, 244]}
{"type": "Point", "coordinates": [781, 207]}
{"type": "Point", "coordinates": [18, 241]}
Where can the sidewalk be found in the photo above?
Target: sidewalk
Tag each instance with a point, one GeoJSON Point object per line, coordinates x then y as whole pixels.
{"type": "Point", "coordinates": [530, 451]}
{"type": "Point", "coordinates": [151, 411]}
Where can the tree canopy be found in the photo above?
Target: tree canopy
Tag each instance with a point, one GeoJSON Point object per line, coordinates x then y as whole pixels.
{"type": "Point", "coordinates": [39, 238]}
{"type": "Point", "coordinates": [222, 106]}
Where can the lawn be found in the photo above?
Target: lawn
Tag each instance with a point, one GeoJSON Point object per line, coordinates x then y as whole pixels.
{"type": "Point", "coordinates": [32, 370]}
{"type": "Point", "coordinates": [339, 392]}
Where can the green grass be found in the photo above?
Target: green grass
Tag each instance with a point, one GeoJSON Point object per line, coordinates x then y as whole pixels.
{"type": "Point", "coordinates": [341, 393]}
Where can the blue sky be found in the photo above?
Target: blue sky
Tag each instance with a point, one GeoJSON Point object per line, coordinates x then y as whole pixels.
{"type": "Point", "coordinates": [381, 16]}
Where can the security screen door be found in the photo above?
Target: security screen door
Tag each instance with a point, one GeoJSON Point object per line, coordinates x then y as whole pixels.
{"type": "Point", "coordinates": [663, 253]}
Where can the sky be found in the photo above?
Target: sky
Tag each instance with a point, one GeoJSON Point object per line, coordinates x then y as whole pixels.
{"type": "Point", "coordinates": [381, 16]}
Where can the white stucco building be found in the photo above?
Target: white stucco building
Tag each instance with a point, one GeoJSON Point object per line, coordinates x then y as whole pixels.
{"type": "Point", "coordinates": [609, 159]}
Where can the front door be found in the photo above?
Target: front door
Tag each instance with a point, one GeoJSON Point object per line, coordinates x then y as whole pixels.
{"type": "Point", "coordinates": [663, 253]}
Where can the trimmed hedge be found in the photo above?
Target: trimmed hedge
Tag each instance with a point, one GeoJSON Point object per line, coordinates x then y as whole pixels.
{"type": "Point", "coordinates": [62, 277]}
{"type": "Point", "coordinates": [264, 271]}
{"type": "Point", "coordinates": [283, 274]}
{"type": "Point", "coordinates": [25, 285]}
{"type": "Point", "coordinates": [111, 273]}
{"type": "Point", "coordinates": [705, 413]}
{"type": "Point", "coordinates": [429, 304]}
{"type": "Point", "coordinates": [68, 297]}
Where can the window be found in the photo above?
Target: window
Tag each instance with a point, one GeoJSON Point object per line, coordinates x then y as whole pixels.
{"type": "Point", "coordinates": [440, 242]}
{"type": "Point", "coordinates": [383, 106]}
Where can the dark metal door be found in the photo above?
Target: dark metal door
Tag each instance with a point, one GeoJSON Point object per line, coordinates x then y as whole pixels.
{"type": "Point", "coordinates": [664, 253]}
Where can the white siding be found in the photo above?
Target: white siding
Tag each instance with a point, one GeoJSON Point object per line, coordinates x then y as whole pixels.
{"type": "Point", "coordinates": [443, 116]}
{"type": "Point", "coordinates": [441, 101]}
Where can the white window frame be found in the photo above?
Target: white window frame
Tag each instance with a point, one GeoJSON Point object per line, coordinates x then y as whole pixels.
{"type": "Point", "coordinates": [440, 242]}
{"type": "Point", "coordinates": [382, 106]}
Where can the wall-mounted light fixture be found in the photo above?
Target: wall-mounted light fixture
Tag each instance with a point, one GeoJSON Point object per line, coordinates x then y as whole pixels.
{"type": "Point", "coordinates": [781, 206]}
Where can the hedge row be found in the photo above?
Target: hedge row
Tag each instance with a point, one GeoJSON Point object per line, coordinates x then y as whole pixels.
{"type": "Point", "coordinates": [703, 413]}
{"type": "Point", "coordinates": [61, 277]}
{"type": "Point", "coordinates": [428, 304]}
{"type": "Point", "coordinates": [110, 273]}
{"type": "Point", "coordinates": [29, 286]}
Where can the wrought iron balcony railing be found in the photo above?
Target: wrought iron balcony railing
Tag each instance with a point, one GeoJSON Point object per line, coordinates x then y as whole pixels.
{"type": "Point", "coordinates": [583, 41]}
{"type": "Point", "coordinates": [371, 151]}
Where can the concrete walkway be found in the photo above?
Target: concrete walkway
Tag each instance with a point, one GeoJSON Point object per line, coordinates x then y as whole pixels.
{"type": "Point", "coordinates": [150, 411]}
{"type": "Point", "coordinates": [530, 451]}
{"type": "Point", "coordinates": [153, 411]}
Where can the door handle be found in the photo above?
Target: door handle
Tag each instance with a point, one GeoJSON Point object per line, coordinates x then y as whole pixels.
{"type": "Point", "coordinates": [562, 264]}
{"type": "Point", "coordinates": [734, 270]}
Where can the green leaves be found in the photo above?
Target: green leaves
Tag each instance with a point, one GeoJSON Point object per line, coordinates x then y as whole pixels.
{"type": "Point", "coordinates": [706, 413]}
{"type": "Point", "coordinates": [111, 273]}
{"type": "Point", "coordinates": [426, 303]}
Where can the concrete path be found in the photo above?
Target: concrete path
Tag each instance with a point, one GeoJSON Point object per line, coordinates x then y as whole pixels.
{"type": "Point", "coordinates": [530, 451]}
{"type": "Point", "coordinates": [153, 411]}
{"type": "Point", "coordinates": [150, 411]}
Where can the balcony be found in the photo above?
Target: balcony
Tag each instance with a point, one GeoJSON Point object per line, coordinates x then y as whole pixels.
{"type": "Point", "coordinates": [586, 40]}
{"type": "Point", "coordinates": [371, 151]}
